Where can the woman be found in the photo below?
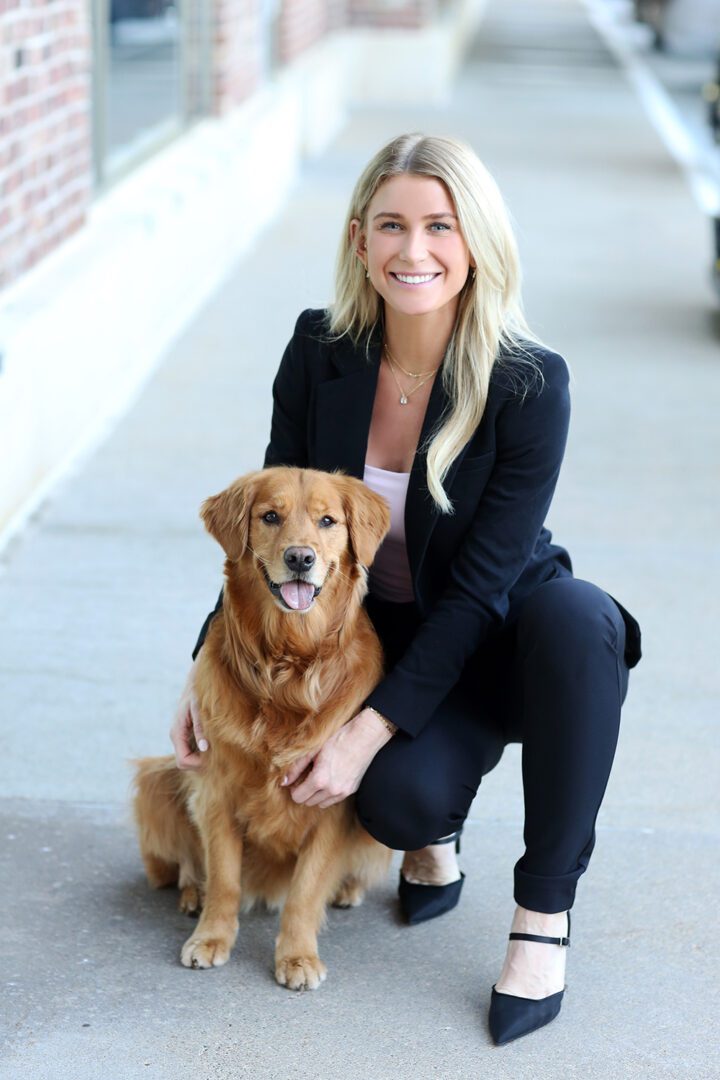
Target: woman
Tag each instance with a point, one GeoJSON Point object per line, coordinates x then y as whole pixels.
{"type": "Point", "coordinates": [425, 380]}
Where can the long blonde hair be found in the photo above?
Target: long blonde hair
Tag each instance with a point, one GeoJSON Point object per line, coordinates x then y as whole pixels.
{"type": "Point", "coordinates": [489, 320]}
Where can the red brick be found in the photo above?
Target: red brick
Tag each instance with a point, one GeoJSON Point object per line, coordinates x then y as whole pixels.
{"type": "Point", "coordinates": [45, 155]}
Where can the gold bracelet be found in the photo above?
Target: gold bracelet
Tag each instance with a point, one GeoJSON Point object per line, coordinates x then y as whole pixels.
{"type": "Point", "coordinates": [392, 728]}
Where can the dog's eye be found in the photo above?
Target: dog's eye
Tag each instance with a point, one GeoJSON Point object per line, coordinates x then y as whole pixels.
{"type": "Point", "coordinates": [271, 518]}
{"type": "Point", "coordinates": [326, 522]}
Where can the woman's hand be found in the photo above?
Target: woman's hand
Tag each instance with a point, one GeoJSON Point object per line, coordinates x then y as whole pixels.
{"type": "Point", "coordinates": [187, 724]}
{"type": "Point", "coordinates": [338, 767]}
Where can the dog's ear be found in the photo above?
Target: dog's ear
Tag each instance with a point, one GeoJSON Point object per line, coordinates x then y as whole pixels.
{"type": "Point", "coordinates": [227, 516]}
{"type": "Point", "coordinates": [368, 519]}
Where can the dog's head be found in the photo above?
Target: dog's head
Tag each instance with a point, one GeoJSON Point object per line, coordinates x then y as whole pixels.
{"type": "Point", "coordinates": [300, 527]}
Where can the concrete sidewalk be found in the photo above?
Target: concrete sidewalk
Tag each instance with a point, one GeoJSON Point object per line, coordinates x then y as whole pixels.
{"type": "Point", "coordinates": [108, 586]}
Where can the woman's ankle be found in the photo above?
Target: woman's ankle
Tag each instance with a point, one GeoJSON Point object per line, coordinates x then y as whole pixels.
{"type": "Point", "coordinates": [534, 969]}
{"type": "Point", "coordinates": [538, 922]}
{"type": "Point", "coordinates": [432, 865]}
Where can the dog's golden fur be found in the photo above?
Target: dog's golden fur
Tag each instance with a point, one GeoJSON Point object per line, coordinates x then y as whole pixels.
{"type": "Point", "coordinates": [272, 684]}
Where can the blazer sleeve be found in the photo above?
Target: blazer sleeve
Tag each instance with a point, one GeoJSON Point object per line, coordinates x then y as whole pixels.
{"type": "Point", "coordinates": [291, 398]}
{"type": "Point", "coordinates": [288, 436]}
{"type": "Point", "coordinates": [531, 434]}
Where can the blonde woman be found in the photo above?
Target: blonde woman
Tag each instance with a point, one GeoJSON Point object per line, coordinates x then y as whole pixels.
{"type": "Point", "coordinates": [424, 380]}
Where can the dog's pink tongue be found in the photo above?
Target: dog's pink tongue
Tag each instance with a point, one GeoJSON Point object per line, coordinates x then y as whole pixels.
{"type": "Point", "coordinates": [297, 594]}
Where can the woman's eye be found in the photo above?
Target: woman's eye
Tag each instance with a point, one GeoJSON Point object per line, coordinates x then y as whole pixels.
{"type": "Point", "coordinates": [440, 226]}
{"type": "Point", "coordinates": [326, 521]}
{"type": "Point", "coordinates": [271, 518]}
{"type": "Point", "coordinates": [390, 226]}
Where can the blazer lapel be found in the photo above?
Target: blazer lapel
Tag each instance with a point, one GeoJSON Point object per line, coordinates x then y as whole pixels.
{"type": "Point", "coordinates": [343, 409]}
{"type": "Point", "coordinates": [421, 513]}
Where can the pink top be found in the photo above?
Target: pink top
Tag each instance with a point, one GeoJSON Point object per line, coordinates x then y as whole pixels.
{"type": "Point", "coordinates": [390, 572]}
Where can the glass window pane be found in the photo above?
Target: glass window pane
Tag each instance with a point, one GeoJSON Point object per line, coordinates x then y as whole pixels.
{"type": "Point", "coordinates": [144, 87]}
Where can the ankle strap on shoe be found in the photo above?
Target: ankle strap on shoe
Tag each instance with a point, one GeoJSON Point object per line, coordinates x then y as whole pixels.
{"type": "Point", "coordinates": [537, 937]}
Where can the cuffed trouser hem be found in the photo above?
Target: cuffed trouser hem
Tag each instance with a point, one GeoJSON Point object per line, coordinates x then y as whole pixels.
{"type": "Point", "coordinates": [547, 894]}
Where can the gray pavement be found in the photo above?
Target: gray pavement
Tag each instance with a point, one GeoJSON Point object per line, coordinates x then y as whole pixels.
{"type": "Point", "coordinates": [108, 585]}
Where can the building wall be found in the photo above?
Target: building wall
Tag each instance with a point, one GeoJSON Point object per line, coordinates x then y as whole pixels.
{"type": "Point", "coordinates": [46, 172]}
{"type": "Point", "coordinates": [80, 333]}
{"type": "Point", "coordinates": [390, 13]}
{"type": "Point", "coordinates": [236, 53]}
{"type": "Point", "coordinates": [45, 150]}
{"type": "Point", "coordinates": [301, 24]}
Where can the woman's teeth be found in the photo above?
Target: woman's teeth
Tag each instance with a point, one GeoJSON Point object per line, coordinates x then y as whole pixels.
{"type": "Point", "coordinates": [414, 279]}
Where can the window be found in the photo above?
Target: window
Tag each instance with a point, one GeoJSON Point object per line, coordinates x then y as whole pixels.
{"type": "Point", "coordinates": [150, 77]}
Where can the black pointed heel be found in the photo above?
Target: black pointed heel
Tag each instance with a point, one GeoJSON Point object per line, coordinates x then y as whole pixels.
{"type": "Point", "coordinates": [418, 903]}
{"type": "Point", "coordinates": [512, 1017]}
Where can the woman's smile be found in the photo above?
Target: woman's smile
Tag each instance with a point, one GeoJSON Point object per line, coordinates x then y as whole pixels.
{"type": "Point", "coordinates": [414, 280]}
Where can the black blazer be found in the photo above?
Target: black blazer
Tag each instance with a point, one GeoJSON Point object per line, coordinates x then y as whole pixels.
{"type": "Point", "coordinates": [470, 569]}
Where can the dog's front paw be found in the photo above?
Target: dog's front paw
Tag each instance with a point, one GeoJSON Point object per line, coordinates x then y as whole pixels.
{"type": "Point", "coordinates": [199, 952]}
{"type": "Point", "coordinates": [300, 972]}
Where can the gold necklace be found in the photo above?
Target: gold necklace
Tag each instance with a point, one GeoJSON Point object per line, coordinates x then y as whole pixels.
{"type": "Point", "coordinates": [405, 395]}
{"type": "Point", "coordinates": [410, 374]}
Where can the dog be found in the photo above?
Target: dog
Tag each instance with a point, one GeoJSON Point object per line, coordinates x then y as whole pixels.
{"type": "Point", "coordinates": [288, 660]}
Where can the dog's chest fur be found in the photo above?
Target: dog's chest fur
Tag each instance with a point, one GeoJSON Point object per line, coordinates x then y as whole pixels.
{"type": "Point", "coordinates": [254, 741]}
{"type": "Point", "coordinates": [264, 811]}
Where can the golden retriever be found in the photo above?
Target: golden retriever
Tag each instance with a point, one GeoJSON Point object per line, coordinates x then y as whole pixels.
{"type": "Point", "coordinates": [288, 660]}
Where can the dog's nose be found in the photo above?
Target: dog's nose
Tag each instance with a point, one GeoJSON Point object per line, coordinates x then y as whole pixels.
{"type": "Point", "coordinates": [299, 559]}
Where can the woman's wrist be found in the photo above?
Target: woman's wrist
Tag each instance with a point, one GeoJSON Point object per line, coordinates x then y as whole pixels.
{"type": "Point", "coordinates": [380, 721]}
{"type": "Point", "coordinates": [388, 724]}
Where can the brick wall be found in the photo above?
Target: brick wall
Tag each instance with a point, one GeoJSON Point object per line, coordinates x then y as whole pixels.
{"type": "Point", "coordinates": [246, 43]}
{"type": "Point", "coordinates": [390, 13]}
{"type": "Point", "coordinates": [236, 52]}
{"type": "Point", "coordinates": [301, 24]}
{"type": "Point", "coordinates": [45, 152]}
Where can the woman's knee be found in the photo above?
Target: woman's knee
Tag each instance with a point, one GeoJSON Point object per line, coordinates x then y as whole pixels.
{"type": "Point", "coordinates": [404, 808]}
{"type": "Point", "coordinates": [568, 617]}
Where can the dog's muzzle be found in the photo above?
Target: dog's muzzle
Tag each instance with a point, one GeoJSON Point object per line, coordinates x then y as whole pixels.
{"type": "Point", "coordinates": [295, 594]}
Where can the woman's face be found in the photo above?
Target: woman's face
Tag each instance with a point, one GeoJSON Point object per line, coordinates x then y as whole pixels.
{"type": "Point", "coordinates": [412, 245]}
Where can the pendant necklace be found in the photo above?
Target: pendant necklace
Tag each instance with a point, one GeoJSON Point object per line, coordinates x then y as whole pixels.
{"type": "Point", "coordinates": [405, 395]}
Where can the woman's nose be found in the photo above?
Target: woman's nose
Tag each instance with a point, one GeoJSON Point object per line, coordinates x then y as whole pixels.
{"type": "Point", "coordinates": [414, 249]}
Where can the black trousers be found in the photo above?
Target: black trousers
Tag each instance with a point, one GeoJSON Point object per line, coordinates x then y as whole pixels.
{"type": "Point", "coordinates": [553, 679]}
